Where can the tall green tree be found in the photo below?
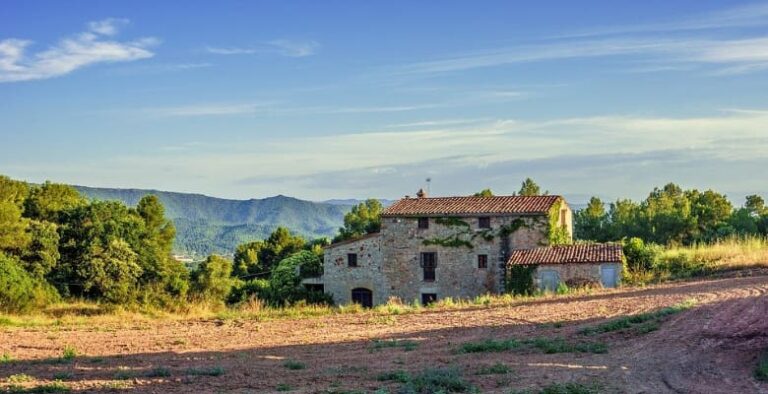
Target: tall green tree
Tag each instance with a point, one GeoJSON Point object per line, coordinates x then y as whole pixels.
{"type": "Point", "coordinates": [592, 222]}
{"type": "Point", "coordinates": [13, 227]}
{"type": "Point", "coordinates": [112, 273]}
{"type": "Point", "coordinates": [246, 259]}
{"type": "Point", "coordinates": [213, 279]}
{"type": "Point", "coordinates": [529, 188]}
{"type": "Point", "coordinates": [755, 205]}
{"type": "Point", "coordinates": [42, 253]}
{"type": "Point", "coordinates": [364, 218]}
{"type": "Point", "coordinates": [668, 216]}
{"type": "Point", "coordinates": [47, 201]}
{"type": "Point", "coordinates": [711, 211]}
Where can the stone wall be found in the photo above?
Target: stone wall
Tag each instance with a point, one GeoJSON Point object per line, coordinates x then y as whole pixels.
{"type": "Point", "coordinates": [339, 279]}
{"type": "Point", "coordinates": [389, 264]}
{"type": "Point", "coordinates": [457, 274]}
{"type": "Point", "coordinates": [576, 272]}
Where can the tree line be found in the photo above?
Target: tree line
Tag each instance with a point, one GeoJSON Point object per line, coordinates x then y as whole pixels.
{"type": "Point", "coordinates": [672, 216]}
{"type": "Point", "coordinates": [55, 244]}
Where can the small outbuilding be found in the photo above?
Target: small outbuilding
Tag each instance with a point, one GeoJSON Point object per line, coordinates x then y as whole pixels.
{"type": "Point", "coordinates": [574, 265]}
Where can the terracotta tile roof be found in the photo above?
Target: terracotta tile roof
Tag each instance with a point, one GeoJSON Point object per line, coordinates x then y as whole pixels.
{"type": "Point", "coordinates": [564, 254]}
{"type": "Point", "coordinates": [434, 206]}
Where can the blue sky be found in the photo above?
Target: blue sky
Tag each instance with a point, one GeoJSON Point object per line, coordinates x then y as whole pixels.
{"type": "Point", "coordinates": [342, 99]}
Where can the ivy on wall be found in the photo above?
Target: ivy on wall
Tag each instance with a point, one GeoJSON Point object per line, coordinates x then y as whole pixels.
{"type": "Point", "coordinates": [519, 279]}
{"type": "Point", "coordinates": [557, 234]}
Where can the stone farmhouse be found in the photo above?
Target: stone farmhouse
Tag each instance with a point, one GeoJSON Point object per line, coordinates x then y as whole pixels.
{"type": "Point", "coordinates": [430, 248]}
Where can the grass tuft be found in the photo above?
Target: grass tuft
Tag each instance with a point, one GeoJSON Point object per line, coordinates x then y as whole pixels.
{"type": "Point", "coordinates": [407, 346]}
{"type": "Point", "coordinates": [490, 345]}
{"type": "Point", "coordinates": [294, 365]}
{"type": "Point", "coordinates": [495, 369]}
{"type": "Point", "coordinates": [211, 371]}
{"type": "Point", "coordinates": [761, 371]}
{"type": "Point", "coordinates": [641, 323]}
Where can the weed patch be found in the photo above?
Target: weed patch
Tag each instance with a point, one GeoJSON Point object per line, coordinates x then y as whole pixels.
{"type": "Point", "coordinates": [397, 376]}
{"type": "Point", "coordinates": [212, 371]}
{"type": "Point", "coordinates": [294, 365]}
{"type": "Point", "coordinates": [438, 381]}
{"type": "Point", "coordinates": [159, 372]}
{"type": "Point", "coordinates": [761, 371]}
{"type": "Point", "coordinates": [495, 369]}
{"type": "Point", "coordinates": [394, 343]}
{"type": "Point", "coordinates": [641, 323]}
{"type": "Point", "coordinates": [545, 345]}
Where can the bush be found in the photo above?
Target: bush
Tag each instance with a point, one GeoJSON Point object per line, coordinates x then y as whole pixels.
{"type": "Point", "coordinates": [640, 257]}
{"type": "Point", "coordinates": [212, 279]}
{"type": "Point", "coordinates": [244, 291]}
{"type": "Point", "coordinates": [19, 291]}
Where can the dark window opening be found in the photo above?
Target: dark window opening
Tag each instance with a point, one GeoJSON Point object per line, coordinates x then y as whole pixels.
{"type": "Point", "coordinates": [484, 222]}
{"type": "Point", "coordinates": [423, 223]}
{"type": "Point", "coordinates": [482, 261]}
{"type": "Point", "coordinates": [428, 298]}
{"type": "Point", "coordinates": [362, 296]}
{"type": "Point", "coordinates": [428, 264]}
{"type": "Point", "coordinates": [352, 260]}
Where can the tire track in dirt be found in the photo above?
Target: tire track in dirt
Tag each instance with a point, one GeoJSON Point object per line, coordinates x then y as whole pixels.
{"type": "Point", "coordinates": [711, 348]}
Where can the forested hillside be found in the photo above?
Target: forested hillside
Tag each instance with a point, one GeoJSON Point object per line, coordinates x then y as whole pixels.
{"type": "Point", "coordinates": [207, 225]}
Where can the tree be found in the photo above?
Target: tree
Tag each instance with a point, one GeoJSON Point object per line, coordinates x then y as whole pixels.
{"type": "Point", "coordinates": [755, 205]}
{"type": "Point", "coordinates": [285, 283]}
{"type": "Point", "coordinates": [529, 188]}
{"type": "Point", "coordinates": [48, 201]}
{"type": "Point", "coordinates": [484, 193]}
{"type": "Point", "coordinates": [42, 254]}
{"type": "Point", "coordinates": [20, 291]}
{"type": "Point", "coordinates": [591, 222]}
{"type": "Point", "coordinates": [667, 216]}
{"type": "Point", "coordinates": [623, 217]}
{"type": "Point", "coordinates": [246, 260]}
{"type": "Point", "coordinates": [364, 218]}
{"type": "Point", "coordinates": [112, 272]}
{"type": "Point", "coordinates": [13, 228]}
{"type": "Point", "coordinates": [711, 211]}
{"type": "Point", "coordinates": [212, 279]}
{"type": "Point", "coordinates": [155, 246]}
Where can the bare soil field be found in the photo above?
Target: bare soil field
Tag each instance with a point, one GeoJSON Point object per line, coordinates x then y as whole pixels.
{"type": "Point", "coordinates": [711, 347]}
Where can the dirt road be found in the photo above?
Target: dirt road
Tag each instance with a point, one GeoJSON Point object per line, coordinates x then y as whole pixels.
{"type": "Point", "coordinates": [710, 348]}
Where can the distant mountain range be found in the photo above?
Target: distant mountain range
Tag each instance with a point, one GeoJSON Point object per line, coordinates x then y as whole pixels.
{"type": "Point", "coordinates": [207, 225]}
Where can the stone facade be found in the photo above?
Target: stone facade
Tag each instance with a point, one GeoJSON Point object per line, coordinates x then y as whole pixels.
{"type": "Point", "coordinates": [389, 262]}
{"type": "Point", "coordinates": [579, 274]}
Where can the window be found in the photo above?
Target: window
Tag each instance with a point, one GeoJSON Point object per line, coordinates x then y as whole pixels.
{"type": "Point", "coordinates": [352, 260]}
{"type": "Point", "coordinates": [428, 298]}
{"type": "Point", "coordinates": [482, 261]}
{"type": "Point", "coordinates": [428, 264]}
{"type": "Point", "coordinates": [423, 223]}
{"type": "Point", "coordinates": [362, 296]}
{"type": "Point", "coordinates": [484, 222]}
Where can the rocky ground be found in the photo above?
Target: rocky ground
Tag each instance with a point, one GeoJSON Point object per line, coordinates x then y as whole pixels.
{"type": "Point", "coordinates": [712, 347]}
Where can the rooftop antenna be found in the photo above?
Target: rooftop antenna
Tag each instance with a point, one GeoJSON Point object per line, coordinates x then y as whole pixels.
{"type": "Point", "coordinates": [429, 189]}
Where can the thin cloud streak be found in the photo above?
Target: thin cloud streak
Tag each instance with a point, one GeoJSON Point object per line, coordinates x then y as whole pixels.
{"type": "Point", "coordinates": [289, 48]}
{"type": "Point", "coordinates": [72, 53]}
{"type": "Point", "coordinates": [744, 53]}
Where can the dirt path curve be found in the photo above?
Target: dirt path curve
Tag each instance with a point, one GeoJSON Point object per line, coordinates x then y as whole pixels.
{"type": "Point", "coordinates": [708, 349]}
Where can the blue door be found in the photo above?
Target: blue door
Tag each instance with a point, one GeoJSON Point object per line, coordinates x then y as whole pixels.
{"type": "Point", "coordinates": [608, 276]}
{"type": "Point", "coordinates": [549, 280]}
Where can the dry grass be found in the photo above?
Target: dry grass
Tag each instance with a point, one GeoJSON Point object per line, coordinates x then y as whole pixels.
{"type": "Point", "coordinates": [730, 253]}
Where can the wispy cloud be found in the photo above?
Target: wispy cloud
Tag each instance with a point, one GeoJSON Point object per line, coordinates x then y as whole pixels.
{"type": "Point", "coordinates": [742, 55]}
{"type": "Point", "coordinates": [69, 54]}
{"type": "Point", "coordinates": [290, 48]}
{"type": "Point", "coordinates": [741, 16]}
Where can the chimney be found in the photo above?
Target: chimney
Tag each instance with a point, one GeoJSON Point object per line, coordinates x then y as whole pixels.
{"type": "Point", "coordinates": [421, 193]}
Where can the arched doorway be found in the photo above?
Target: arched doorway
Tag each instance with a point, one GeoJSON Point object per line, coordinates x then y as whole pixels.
{"type": "Point", "coordinates": [362, 296]}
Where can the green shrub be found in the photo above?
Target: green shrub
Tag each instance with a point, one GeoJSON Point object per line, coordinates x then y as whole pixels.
{"type": "Point", "coordinates": [761, 371]}
{"type": "Point", "coordinates": [69, 353]}
{"type": "Point", "coordinates": [640, 257]}
{"type": "Point", "coordinates": [294, 365]}
{"type": "Point", "coordinates": [397, 376]}
{"type": "Point", "coordinates": [209, 371]}
{"type": "Point", "coordinates": [519, 279]}
{"type": "Point", "coordinates": [495, 369]}
{"type": "Point", "coordinates": [20, 291]}
{"type": "Point", "coordinates": [490, 345]}
{"type": "Point", "coordinates": [438, 381]}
